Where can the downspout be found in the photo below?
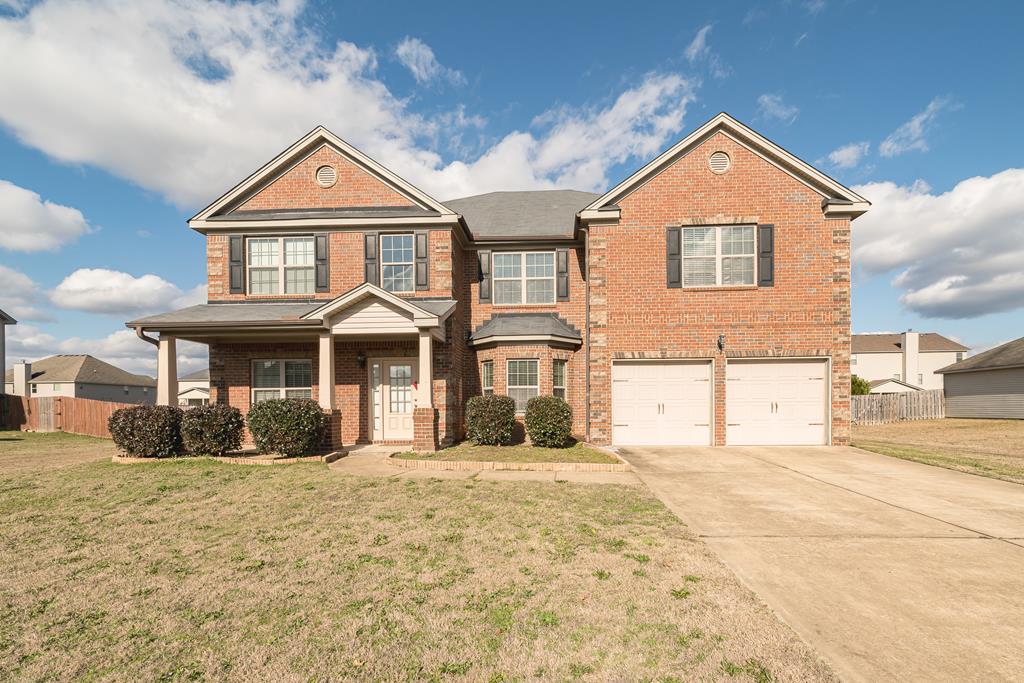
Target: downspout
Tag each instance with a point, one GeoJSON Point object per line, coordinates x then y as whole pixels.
{"type": "Point", "coordinates": [586, 319]}
{"type": "Point", "coordinates": [141, 334]}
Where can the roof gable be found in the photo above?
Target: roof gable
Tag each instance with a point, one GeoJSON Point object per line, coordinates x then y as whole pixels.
{"type": "Point", "coordinates": [837, 199]}
{"type": "Point", "coordinates": [421, 317]}
{"type": "Point", "coordinates": [375, 184]}
{"type": "Point", "coordinates": [6, 319]}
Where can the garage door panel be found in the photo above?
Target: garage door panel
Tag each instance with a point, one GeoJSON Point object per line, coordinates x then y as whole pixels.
{"type": "Point", "coordinates": [661, 403]}
{"type": "Point", "coordinates": [776, 403]}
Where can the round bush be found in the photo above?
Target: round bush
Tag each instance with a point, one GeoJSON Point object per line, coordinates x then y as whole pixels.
{"type": "Point", "coordinates": [549, 421]}
{"type": "Point", "coordinates": [147, 431]}
{"type": "Point", "coordinates": [212, 429]}
{"type": "Point", "coordinates": [287, 426]}
{"type": "Point", "coordinates": [859, 386]}
{"type": "Point", "coordinates": [490, 419]}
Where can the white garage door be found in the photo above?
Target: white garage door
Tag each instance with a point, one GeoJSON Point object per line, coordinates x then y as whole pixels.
{"type": "Point", "coordinates": [661, 404]}
{"type": "Point", "coordinates": [776, 403]}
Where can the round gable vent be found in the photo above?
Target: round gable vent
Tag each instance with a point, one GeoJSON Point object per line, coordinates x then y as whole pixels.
{"type": "Point", "coordinates": [719, 162]}
{"type": "Point", "coordinates": [326, 176]}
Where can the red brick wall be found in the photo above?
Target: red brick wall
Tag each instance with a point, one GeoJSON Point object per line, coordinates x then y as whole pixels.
{"type": "Point", "coordinates": [806, 313]}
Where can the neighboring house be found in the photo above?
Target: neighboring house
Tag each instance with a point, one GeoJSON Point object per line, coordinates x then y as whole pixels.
{"type": "Point", "coordinates": [194, 389]}
{"type": "Point", "coordinates": [990, 384]}
{"type": "Point", "coordinates": [5, 320]}
{"type": "Point", "coordinates": [703, 300]}
{"type": "Point", "coordinates": [81, 376]}
{"type": "Point", "coordinates": [911, 358]}
{"type": "Point", "coordinates": [890, 386]}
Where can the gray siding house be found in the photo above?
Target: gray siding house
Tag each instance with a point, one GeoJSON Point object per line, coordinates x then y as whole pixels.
{"type": "Point", "coordinates": [81, 376]}
{"type": "Point", "coordinates": [990, 384]}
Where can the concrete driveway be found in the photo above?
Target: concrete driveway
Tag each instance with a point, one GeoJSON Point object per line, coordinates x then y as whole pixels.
{"type": "Point", "coordinates": [891, 569]}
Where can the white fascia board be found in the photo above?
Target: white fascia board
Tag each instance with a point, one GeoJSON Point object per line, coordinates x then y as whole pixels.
{"type": "Point", "coordinates": [365, 290]}
{"type": "Point", "coordinates": [208, 226]}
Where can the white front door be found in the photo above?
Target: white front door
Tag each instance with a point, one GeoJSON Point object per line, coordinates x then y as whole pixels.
{"type": "Point", "coordinates": [661, 403]}
{"type": "Point", "coordinates": [776, 402]}
{"type": "Point", "coordinates": [391, 404]}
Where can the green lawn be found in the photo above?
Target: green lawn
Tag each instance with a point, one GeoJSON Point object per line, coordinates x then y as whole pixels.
{"type": "Point", "coordinates": [517, 453]}
{"type": "Point", "coordinates": [197, 570]}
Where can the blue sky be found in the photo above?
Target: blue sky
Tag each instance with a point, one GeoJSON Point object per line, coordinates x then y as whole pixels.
{"type": "Point", "coordinates": [120, 120]}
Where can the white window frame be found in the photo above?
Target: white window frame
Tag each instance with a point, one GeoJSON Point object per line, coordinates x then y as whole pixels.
{"type": "Point", "coordinates": [853, 359]}
{"type": "Point", "coordinates": [487, 389]}
{"type": "Point", "coordinates": [555, 388]}
{"type": "Point", "coordinates": [282, 390]}
{"type": "Point", "coordinates": [523, 279]}
{"type": "Point", "coordinates": [718, 256]}
{"type": "Point", "coordinates": [508, 380]}
{"type": "Point", "coordinates": [281, 267]}
{"type": "Point", "coordinates": [411, 262]}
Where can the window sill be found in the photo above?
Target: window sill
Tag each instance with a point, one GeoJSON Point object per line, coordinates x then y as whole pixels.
{"type": "Point", "coordinates": [551, 305]}
{"type": "Point", "coordinates": [718, 288]}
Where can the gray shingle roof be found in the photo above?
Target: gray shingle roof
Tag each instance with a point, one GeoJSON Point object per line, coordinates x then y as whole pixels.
{"type": "Point", "coordinates": [6, 319]}
{"type": "Point", "coordinates": [892, 343]}
{"type": "Point", "coordinates": [541, 213]}
{"type": "Point", "coordinates": [256, 313]}
{"type": "Point", "coordinates": [1009, 355]}
{"type": "Point", "coordinates": [81, 368]}
{"type": "Point", "coordinates": [197, 376]}
{"type": "Point", "coordinates": [525, 324]}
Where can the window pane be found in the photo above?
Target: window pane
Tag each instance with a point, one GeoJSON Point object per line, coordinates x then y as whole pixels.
{"type": "Point", "coordinates": [298, 251]}
{"type": "Point", "coordinates": [298, 373]}
{"type": "Point", "coordinates": [508, 292]}
{"type": "Point", "coordinates": [299, 393]}
{"type": "Point", "coordinates": [522, 373]}
{"type": "Point", "coordinates": [487, 375]}
{"type": "Point", "coordinates": [738, 240]}
{"type": "Point", "coordinates": [507, 265]}
{"type": "Point", "coordinates": [558, 392]}
{"type": "Point", "coordinates": [540, 291]}
{"type": "Point", "coordinates": [298, 280]}
{"type": "Point", "coordinates": [540, 265]}
{"type": "Point", "coordinates": [698, 271]}
{"type": "Point", "coordinates": [264, 395]}
{"type": "Point", "coordinates": [396, 249]}
{"type": "Point", "coordinates": [262, 252]}
{"type": "Point", "coordinates": [698, 241]}
{"type": "Point", "coordinates": [558, 373]}
{"type": "Point", "coordinates": [263, 281]}
{"type": "Point", "coordinates": [738, 270]}
{"type": "Point", "coordinates": [522, 397]}
{"type": "Point", "coordinates": [266, 373]}
{"type": "Point", "coordinates": [400, 394]}
{"type": "Point", "coordinates": [398, 278]}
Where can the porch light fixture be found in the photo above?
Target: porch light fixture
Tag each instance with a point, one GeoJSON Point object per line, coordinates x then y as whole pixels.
{"type": "Point", "coordinates": [361, 359]}
{"type": "Point", "coordinates": [721, 343]}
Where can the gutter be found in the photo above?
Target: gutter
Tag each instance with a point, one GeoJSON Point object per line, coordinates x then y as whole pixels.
{"type": "Point", "coordinates": [141, 334]}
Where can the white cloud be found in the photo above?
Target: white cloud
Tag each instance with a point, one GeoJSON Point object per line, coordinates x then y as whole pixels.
{"type": "Point", "coordinates": [240, 81]}
{"type": "Point", "coordinates": [957, 253]}
{"type": "Point", "coordinates": [20, 295]}
{"type": "Point", "coordinates": [848, 156]}
{"type": "Point", "coordinates": [802, 37]}
{"type": "Point", "coordinates": [814, 6]}
{"type": "Point", "coordinates": [31, 223]}
{"type": "Point", "coordinates": [98, 290]}
{"type": "Point", "coordinates": [699, 51]}
{"type": "Point", "coordinates": [419, 59]}
{"type": "Point", "coordinates": [773, 107]}
{"type": "Point", "coordinates": [911, 135]}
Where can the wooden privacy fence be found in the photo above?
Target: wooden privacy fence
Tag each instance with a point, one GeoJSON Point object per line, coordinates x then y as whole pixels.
{"type": "Point", "coordinates": [58, 414]}
{"type": "Point", "coordinates": [908, 405]}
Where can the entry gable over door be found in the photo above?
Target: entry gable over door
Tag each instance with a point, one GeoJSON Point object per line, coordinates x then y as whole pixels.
{"type": "Point", "coordinates": [368, 309]}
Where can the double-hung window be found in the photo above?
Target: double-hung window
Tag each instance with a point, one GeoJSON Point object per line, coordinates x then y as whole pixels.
{"type": "Point", "coordinates": [524, 277]}
{"type": "Point", "coordinates": [281, 379]}
{"type": "Point", "coordinates": [558, 378]}
{"type": "Point", "coordinates": [397, 263]}
{"type": "Point", "coordinates": [487, 377]}
{"type": "Point", "coordinates": [523, 382]}
{"type": "Point", "coordinates": [281, 265]}
{"type": "Point", "coordinates": [718, 256]}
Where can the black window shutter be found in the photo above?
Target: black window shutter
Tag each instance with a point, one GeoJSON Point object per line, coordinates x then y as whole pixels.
{"type": "Point", "coordinates": [323, 270]}
{"type": "Point", "coordinates": [483, 260]}
{"type": "Point", "coordinates": [765, 255]}
{"type": "Point", "coordinates": [422, 260]}
{"type": "Point", "coordinates": [562, 264]}
{"type": "Point", "coordinates": [236, 264]}
{"type": "Point", "coordinates": [371, 273]}
{"type": "Point", "coordinates": [674, 257]}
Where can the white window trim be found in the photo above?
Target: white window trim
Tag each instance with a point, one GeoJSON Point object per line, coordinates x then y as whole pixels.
{"type": "Point", "coordinates": [281, 389]}
{"type": "Point", "coordinates": [718, 255]}
{"type": "Point", "coordinates": [564, 386]}
{"type": "Point", "coordinates": [281, 267]}
{"type": "Point", "coordinates": [486, 389]}
{"type": "Point", "coordinates": [381, 264]}
{"type": "Point", "coordinates": [523, 278]}
{"type": "Point", "coordinates": [508, 376]}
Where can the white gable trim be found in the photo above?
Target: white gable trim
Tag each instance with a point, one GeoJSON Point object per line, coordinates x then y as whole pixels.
{"type": "Point", "coordinates": [420, 317]}
{"type": "Point", "coordinates": [302, 149]}
{"type": "Point", "coordinates": [756, 143]}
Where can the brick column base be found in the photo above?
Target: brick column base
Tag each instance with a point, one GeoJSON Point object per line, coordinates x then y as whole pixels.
{"type": "Point", "coordinates": [332, 435]}
{"type": "Point", "coordinates": [424, 428]}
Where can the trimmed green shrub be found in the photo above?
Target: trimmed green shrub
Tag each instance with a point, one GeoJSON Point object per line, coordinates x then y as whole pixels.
{"type": "Point", "coordinates": [549, 421]}
{"type": "Point", "coordinates": [490, 419]}
{"type": "Point", "coordinates": [147, 431]}
{"type": "Point", "coordinates": [859, 386]}
{"type": "Point", "coordinates": [212, 429]}
{"type": "Point", "coordinates": [287, 426]}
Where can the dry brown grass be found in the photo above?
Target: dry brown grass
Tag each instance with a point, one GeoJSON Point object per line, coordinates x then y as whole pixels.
{"type": "Point", "coordinates": [516, 453]}
{"type": "Point", "coordinates": [32, 451]}
{"type": "Point", "coordinates": [992, 448]}
{"type": "Point", "coordinates": [193, 570]}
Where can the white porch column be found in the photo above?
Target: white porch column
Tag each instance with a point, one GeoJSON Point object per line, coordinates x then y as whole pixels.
{"type": "Point", "coordinates": [425, 398]}
{"type": "Point", "coordinates": [166, 372]}
{"type": "Point", "coordinates": [326, 375]}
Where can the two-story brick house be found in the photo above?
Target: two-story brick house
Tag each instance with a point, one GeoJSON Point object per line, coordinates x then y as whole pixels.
{"type": "Point", "coordinates": [703, 300]}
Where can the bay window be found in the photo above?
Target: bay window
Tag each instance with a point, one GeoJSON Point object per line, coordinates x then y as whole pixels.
{"type": "Point", "coordinates": [487, 377]}
{"type": "Point", "coordinates": [558, 378]}
{"type": "Point", "coordinates": [524, 277]}
{"type": "Point", "coordinates": [718, 256]}
{"type": "Point", "coordinates": [281, 265]}
{"type": "Point", "coordinates": [523, 382]}
{"type": "Point", "coordinates": [281, 379]}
